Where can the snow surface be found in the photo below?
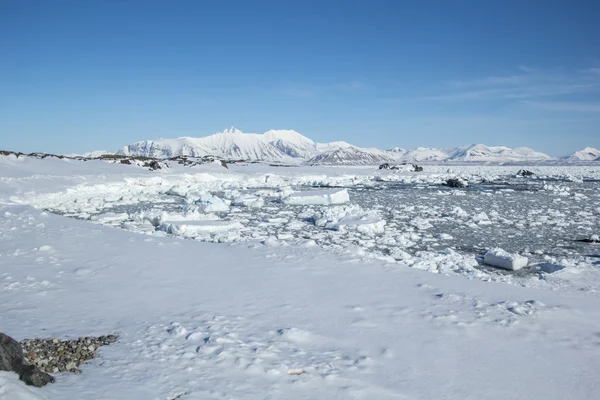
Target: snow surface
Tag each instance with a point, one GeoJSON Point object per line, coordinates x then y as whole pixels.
{"type": "Point", "coordinates": [301, 302]}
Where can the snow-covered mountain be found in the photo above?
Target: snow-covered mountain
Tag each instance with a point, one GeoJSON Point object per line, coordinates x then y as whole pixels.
{"type": "Point", "coordinates": [274, 145]}
{"type": "Point", "coordinates": [231, 143]}
{"type": "Point", "coordinates": [350, 155]}
{"type": "Point", "coordinates": [476, 152]}
{"type": "Point", "coordinates": [480, 152]}
{"type": "Point", "coordinates": [587, 154]}
{"type": "Point", "coordinates": [421, 154]}
{"type": "Point", "coordinates": [288, 146]}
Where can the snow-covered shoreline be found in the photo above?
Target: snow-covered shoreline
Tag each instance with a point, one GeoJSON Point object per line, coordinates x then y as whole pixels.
{"type": "Point", "coordinates": [239, 320]}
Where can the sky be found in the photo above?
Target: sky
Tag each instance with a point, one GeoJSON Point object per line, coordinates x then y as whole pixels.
{"type": "Point", "coordinates": [89, 75]}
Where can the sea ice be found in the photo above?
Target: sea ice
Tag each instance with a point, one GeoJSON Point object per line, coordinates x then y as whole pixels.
{"type": "Point", "coordinates": [318, 197]}
{"type": "Point", "coordinates": [194, 228]}
{"type": "Point", "coordinates": [210, 203]}
{"type": "Point", "coordinates": [248, 201]}
{"type": "Point", "coordinates": [368, 224]}
{"type": "Point", "coordinates": [503, 259]}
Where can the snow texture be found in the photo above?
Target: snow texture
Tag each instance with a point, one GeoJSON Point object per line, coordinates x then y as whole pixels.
{"type": "Point", "coordinates": [381, 297]}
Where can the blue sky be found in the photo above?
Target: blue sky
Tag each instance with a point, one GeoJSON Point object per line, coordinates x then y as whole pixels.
{"type": "Point", "coordinates": [86, 75]}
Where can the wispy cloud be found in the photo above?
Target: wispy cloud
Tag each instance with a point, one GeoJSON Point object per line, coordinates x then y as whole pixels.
{"type": "Point", "coordinates": [350, 86]}
{"type": "Point", "coordinates": [566, 106]}
{"type": "Point", "coordinates": [489, 81]}
{"type": "Point", "coordinates": [310, 90]}
{"type": "Point", "coordinates": [521, 92]}
{"type": "Point", "coordinates": [299, 91]}
{"type": "Point", "coordinates": [530, 84]}
{"type": "Point", "coordinates": [595, 71]}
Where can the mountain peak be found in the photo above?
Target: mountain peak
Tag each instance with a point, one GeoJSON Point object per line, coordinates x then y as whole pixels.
{"type": "Point", "coordinates": [231, 131]}
{"type": "Point", "coordinates": [587, 154]}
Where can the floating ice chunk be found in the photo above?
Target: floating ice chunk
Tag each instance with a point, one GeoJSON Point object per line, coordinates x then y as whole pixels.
{"type": "Point", "coordinates": [482, 219]}
{"type": "Point", "coordinates": [503, 259]}
{"type": "Point", "coordinates": [459, 212]}
{"type": "Point", "coordinates": [248, 201]}
{"type": "Point", "coordinates": [210, 203]}
{"type": "Point", "coordinates": [421, 223]}
{"type": "Point", "coordinates": [195, 228]}
{"type": "Point", "coordinates": [369, 223]}
{"type": "Point", "coordinates": [318, 197]}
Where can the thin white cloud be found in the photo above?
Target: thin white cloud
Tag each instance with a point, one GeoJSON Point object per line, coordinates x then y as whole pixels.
{"type": "Point", "coordinates": [523, 92]}
{"type": "Point", "coordinates": [298, 91]}
{"type": "Point", "coordinates": [526, 68]}
{"type": "Point", "coordinates": [565, 106]}
{"type": "Point", "coordinates": [490, 81]}
{"type": "Point", "coordinates": [308, 90]}
{"type": "Point", "coordinates": [531, 84]}
{"type": "Point", "coordinates": [350, 86]}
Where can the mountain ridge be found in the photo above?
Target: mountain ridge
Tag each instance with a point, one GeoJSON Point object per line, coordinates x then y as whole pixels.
{"type": "Point", "coordinates": [289, 146]}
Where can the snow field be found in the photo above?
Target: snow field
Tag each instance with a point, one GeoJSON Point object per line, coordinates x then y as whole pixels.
{"type": "Point", "coordinates": [299, 304]}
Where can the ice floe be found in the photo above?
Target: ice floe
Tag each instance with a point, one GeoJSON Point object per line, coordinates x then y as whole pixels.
{"type": "Point", "coordinates": [503, 259]}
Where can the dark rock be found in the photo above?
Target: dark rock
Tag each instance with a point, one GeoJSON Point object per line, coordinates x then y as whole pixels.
{"type": "Point", "coordinates": [456, 183]}
{"type": "Point", "coordinates": [12, 359]}
{"type": "Point", "coordinates": [524, 172]}
{"type": "Point", "coordinates": [128, 162]}
{"type": "Point", "coordinates": [403, 166]}
{"type": "Point", "coordinates": [153, 165]}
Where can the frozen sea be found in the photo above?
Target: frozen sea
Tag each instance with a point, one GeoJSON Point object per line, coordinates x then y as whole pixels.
{"type": "Point", "coordinates": [258, 282]}
{"type": "Point", "coordinates": [422, 224]}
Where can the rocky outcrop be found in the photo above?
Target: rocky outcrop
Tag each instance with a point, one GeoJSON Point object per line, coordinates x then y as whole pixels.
{"type": "Point", "coordinates": [12, 359]}
{"type": "Point", "coordinates": [54, 355]}
{"type": "Point", "coordinates": [525, 173]}
{"type": "Point", "coordinates": [456, 183]}
{"type": "Point", "coordinates": [402, 167]}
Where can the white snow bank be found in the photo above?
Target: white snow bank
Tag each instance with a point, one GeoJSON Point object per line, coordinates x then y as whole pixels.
{"type": "Point", "coordinates": [503, 259]}
{"type": "Point", "coordinates": [318, 197]}
{"type": "Point", "coordinates": [12, 388]}
{"type": "Point", "coordinates": [194, 228]}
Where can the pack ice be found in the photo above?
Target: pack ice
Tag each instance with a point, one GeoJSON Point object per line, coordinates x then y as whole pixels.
{"type": "Point", "coordinates": [318, 197]}
{"type": "Point", "coordinates": [503, 259]}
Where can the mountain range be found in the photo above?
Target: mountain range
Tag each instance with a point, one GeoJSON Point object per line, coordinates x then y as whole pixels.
{"type": "Point", "coordinates": [288, 146]}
